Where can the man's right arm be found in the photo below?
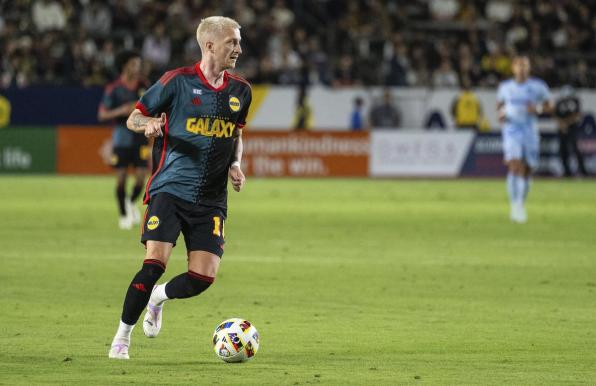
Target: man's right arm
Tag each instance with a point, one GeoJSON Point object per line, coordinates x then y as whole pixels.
{"type": "Point", "coordinates": [501, 115]}
{"type": "Point", "coordinates": [108, 114]}
{"type": "Point", "coordinates": [149, 126]}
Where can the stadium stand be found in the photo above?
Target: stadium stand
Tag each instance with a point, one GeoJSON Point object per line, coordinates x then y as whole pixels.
{"type": "Point", "coordinates": [429, 43]}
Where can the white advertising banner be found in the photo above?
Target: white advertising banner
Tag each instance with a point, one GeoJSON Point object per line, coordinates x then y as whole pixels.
{"type": "Point", "coordinates": [415, 153]}
{"type": "Point", "coordinates": [273, 107]}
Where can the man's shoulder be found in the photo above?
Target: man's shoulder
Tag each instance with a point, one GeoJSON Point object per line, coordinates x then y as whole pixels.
{"type": "Point", "coordinates": [506, 83]}
{"type": "Point", "coordinates": [538, 82]}
{"type": "Point", "coordinates": [113, 85]}
{"type": "Point", "coordinates": [234, 78]}
{"type": "Point", "coordinates": [172, 74]}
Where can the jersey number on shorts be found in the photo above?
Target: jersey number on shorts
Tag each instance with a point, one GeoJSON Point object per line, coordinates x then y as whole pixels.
{"type": "Point", "coordinates": [218, 227]}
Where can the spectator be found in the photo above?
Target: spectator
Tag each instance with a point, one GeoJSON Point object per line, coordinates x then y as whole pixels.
{"type": "Point", "coordinates": [157, 48]}
{"type": "Point", "coordinates": [282, 16]}
{"type": "Point", "coordinates": [499, 11]}
{"type": "Point", "coordinates": [444, 76]}
{"type": "Point", "coordinates": [398, 66]}
{"type": "Point", "coordinates": [357, 115]}
{"type": "Point", "coordinates": [385, 114]}
{"type": "Point", "coordinates": [568, 114]}
{"type": "Point", "coordinates": [96, 19]}
{"type": "Point", "coordinates": [303, 114]}
{"type": "Point", "coordinates": [466, 109]}
{"type": "Point", "coordinates": [48, 15]}
{"type": "Point", "coordinates": [443, 9]}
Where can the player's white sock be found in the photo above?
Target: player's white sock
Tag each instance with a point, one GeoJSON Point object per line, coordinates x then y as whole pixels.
{"type": "Point", "coordinates": [121, 342]}
{"type": "Point", "coordinates": [123, 333]}
{"type": "Point", "coordinates": [511, 187]}
{"type": "Point", "coordinates": [526, 188]}
{"type": "Point", "coordinates": [132, 212]}
{"type": "Point", "coordinates": [158, 296]}
{"type": "Point", "coordinates": [125, 222]}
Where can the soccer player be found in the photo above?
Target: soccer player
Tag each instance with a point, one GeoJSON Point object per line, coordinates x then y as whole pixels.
{"type": "Point", "coordinates": [196, 115]}
{"type": "Point", "coordinates": [129, 148]}
{"type": "Point", "coordinates": [519, 102]}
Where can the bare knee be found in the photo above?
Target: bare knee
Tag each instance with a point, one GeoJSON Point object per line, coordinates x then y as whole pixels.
{"type": "Point", "coordinates": [203, 263]}
{"type": "Point", "coordinates": [158, 250]}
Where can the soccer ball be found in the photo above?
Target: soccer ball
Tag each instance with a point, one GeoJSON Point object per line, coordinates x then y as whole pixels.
{"type": "Point", "coordinates": [235, 340]}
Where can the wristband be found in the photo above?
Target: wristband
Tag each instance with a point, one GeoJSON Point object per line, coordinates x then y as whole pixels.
{"type": "Point", "coordinates": [235, 163]}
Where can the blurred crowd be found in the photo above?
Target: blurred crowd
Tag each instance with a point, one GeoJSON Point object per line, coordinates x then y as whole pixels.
{"type": "Point", "coordinates": [427, 43]}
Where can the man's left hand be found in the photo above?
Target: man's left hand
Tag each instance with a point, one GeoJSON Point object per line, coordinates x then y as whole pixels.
{"type": "Point", "coordinates": [237, 177]}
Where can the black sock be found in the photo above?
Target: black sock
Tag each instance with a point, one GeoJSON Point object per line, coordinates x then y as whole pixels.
{"type": "Point", "coordinates": [140, 289]}
{"type": "Point", "coordinates": [121, 196]}
{"type": "Point", "coordinates": [187, 285]}
{"type": "Point", "coordinates": [136, 192]}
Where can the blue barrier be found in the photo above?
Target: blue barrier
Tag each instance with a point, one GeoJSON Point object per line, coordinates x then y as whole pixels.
{"type": "Point", "coordinates": [53, 105]}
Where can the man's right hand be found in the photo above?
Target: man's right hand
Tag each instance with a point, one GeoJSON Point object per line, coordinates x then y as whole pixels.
{"type": "Point", "coordinates": [153, 128]}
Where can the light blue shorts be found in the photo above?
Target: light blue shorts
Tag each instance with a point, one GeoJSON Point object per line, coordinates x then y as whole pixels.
{"type": "Point", "coordinates": [522, 145]}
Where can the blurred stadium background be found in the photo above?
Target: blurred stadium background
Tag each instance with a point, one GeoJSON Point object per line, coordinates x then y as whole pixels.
{"type": "Point", "coordinates": [360, 88]}
{"type": "Point", "coordinates": [316, 66]}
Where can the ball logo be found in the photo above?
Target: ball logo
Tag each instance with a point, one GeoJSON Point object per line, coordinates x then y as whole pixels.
{"type": "Point", "coordinates": [153, 223]}
{"type": "Point", "coordinates": [234, 103]}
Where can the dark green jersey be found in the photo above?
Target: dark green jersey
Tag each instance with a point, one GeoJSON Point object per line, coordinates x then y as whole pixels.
{"type": "Point", "coordinates": [192, 159]}
{"type": "Point", "coordinates": [115, 95]}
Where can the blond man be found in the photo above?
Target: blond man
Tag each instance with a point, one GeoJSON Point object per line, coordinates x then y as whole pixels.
{"type": "Point", "coordinates": [196, 115]}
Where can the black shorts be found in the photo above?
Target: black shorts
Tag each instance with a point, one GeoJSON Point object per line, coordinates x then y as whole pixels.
{"type": "Point", "coordinates": [202, 226]}
{"type": "Point", "coordinates": [137, 156]}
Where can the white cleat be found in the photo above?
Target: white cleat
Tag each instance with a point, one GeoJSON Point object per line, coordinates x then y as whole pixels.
{"type": "Point", "coordinates": [125, 223]}
{"type": "Point", "coordinates": [518, 213]}
{"type": "Point", "coordinates": [119, 351]}
{"type": "Point", "coordinates": [133, 212]}
{"type": "Point", "coordinates": [152, 320]}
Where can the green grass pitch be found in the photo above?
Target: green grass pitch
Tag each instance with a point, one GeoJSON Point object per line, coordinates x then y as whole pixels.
{"type": "Point", "coordinates": [365, 282]}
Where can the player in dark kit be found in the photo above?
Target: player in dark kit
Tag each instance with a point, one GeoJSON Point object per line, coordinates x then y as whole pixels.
{"type": "Point", "coordinates": [129, 148]}
{"type": "Point", "coordinates": [196, 115]}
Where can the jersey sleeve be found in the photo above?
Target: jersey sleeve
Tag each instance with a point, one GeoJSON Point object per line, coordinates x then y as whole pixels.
{"type": "Point", "coordinates": [244, 112]}
{"type": "Point", "coordinates": [544, 92]}
{"type": "Point", "coordinates": [158, 98]}
{"type": "Point", "coordinates": [107, 100]}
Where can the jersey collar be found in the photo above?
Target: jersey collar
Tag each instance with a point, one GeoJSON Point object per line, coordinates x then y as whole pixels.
{"type": "Point", "coordinates": [202, 76]}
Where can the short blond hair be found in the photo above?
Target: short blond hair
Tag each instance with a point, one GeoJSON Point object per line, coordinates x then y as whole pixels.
{"type": "Point", "coordinates": [213, 25]}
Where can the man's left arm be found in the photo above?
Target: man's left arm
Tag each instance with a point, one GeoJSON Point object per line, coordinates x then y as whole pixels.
{"type": "Point", "coordinates": [236, 175]}
{"type": "Point", "coordinates": [546, 105]}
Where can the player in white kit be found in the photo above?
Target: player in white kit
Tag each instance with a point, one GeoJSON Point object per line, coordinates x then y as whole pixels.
{"type": "Point", "coordinates": [519, 102]}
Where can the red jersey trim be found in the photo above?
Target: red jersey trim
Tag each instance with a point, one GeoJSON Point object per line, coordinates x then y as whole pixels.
{"type": "Point", "coordinates": [111, 86]}
{"type": "Point", "coordinates": [162, 159]}
{"type": "Point", "coordinates": [202, 76]}
{"type": "Point", "coordinates": [143, 109]}
{"type": "Point", "coordinates": [168, 76]}
{"type": "Point", "coordinates": [240, 79]}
